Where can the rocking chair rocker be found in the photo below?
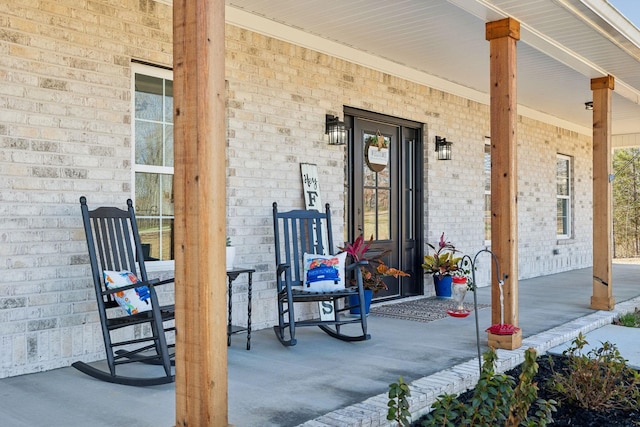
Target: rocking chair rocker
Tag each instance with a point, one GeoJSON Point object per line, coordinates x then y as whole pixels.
{"type": "Point", "coordinates": [302, 232]}
{"type": "Point", "coordinates": [115, 249]}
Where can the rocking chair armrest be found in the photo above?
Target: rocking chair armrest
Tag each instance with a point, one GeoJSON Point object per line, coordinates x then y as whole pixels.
{"type": "Point", "coordinates": [281, 268]}
{"type": "Point", "coordinates": [353, 265]}
{"type": "Point", "coordinates": [150, 283]}
{"type": "Point", "coordinates": [165, 281]}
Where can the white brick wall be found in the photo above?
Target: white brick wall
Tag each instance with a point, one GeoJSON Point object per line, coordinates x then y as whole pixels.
{"type": "Point", "coordinates": [65, 117]}
{"type": "Point", "coordinates": [65, 131]}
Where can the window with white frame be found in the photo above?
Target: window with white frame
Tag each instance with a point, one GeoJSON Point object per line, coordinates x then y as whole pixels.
{"type": "Point", "coordinates": [563, 184]}
{"type": "Point", "coordinates": [487, 190]}
{"type": "Point", "coordinates": [152, 160]}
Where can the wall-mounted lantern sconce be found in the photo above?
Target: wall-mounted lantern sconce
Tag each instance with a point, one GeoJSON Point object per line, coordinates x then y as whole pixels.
{"type": "Point", "coordinates": [588, 105]}
{"type": "Point", "coordinates": [443, 148]}
{"type": "Point", "coordinates": [336, 130]}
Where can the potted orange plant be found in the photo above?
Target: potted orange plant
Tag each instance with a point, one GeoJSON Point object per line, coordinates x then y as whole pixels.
{"type": "Point", "coordinates": [373, 272]}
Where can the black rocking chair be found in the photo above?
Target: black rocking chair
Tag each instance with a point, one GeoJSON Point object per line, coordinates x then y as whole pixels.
{"type": "Point", "coordinates": [308, 231]}
{"type": "Point", "coordinates": [114, 245]}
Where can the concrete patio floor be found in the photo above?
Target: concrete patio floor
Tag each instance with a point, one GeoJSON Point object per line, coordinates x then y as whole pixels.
{"type": "Point", "coordinates": [326, 382]}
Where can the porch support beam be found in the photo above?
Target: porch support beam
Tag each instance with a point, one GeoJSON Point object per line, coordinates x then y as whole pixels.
{"type": "Point", "coordinates": [502, 36]}
{"type": "Point", "coordinates": [602, 298]}
{"type": "Point", "coordinates": [199, 189]}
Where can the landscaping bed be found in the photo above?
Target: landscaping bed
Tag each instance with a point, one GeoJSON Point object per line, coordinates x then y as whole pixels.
{"type": "Point", "coordinates": [566, 414]}
{"type": "Point", "coordinates": [592, 388]}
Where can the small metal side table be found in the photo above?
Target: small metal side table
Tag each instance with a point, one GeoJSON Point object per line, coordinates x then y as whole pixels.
{"type": "Point", "coordinates": [233, 329]}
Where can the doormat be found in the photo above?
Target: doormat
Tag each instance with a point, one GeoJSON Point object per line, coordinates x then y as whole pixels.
{"type": "Point", "coordinates": [420, 310]}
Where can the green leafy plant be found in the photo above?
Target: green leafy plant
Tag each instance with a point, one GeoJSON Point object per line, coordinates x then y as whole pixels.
{"type": "Point", "coordinates": [398, 403]}
{"type": "Point", "coordinates": [443, 261]}
{"type": "Point", "coordinates": [630, 320]}
{"type": "Point", "coordinates": [599, 379]}
{"type": "Point", "coordinates": [497, 400]}
{"type": "Point", "coordinates": [375, 270]}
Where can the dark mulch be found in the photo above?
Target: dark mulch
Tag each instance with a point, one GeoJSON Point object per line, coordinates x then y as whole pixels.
{"type": "Point", "coordinates": [568, 415]}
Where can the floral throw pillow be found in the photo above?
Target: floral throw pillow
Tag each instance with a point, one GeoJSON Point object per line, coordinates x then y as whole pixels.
{"type": "Point", "coordinates": [324, 273]}
{"type": "Point", "coordinates": [132, 301]}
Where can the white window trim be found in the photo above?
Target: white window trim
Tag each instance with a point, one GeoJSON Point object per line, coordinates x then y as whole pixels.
{"type": "Point", "coordinates": [568, 197]}
{"type": "Point", "coordinates": [162, 73]}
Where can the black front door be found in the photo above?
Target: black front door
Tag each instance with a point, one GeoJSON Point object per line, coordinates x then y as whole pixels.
{"type": "Point", "coordinates": [384, 194]}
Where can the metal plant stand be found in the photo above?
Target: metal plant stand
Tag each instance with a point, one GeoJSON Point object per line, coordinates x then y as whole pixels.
{"type": "Point", "coordinates": [501, 280]}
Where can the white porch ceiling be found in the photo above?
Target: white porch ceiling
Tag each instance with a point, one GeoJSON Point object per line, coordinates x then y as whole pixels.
{"type": "Point", "coordinates": [441, 43]}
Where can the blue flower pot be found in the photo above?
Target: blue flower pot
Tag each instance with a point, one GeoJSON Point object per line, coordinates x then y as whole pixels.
{"type": "Point", "coordinates": [443, 285]}
{"type": "Point", "coordinates": [353, 300]}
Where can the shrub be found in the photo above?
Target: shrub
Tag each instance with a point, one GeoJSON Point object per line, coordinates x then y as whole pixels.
{"type": "Point", "coordinates": [398, 404]}
{"type": "Point", "coordinates": [599, 379]}
{"type": "Point", "coordinates": [497, 400]}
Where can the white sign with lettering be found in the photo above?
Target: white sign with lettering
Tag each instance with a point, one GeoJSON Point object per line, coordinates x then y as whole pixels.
{"type": "Point", "coordinates": [311, 186]}
{"type": "Point", "coordinates": [312, 200]}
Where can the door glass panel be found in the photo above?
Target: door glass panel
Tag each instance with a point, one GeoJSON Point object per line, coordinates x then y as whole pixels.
{"type": "Point", "coordinates": [369, 177]}
{"type": "Point", "coordinates": [369, 212]}
{"type": "Point", "coordinates": [383, 215]}
{"type": "Point", "coordinates": [376, 191]}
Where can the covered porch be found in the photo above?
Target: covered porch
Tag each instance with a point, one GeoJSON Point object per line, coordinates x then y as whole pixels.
{"type": "Point", "coordinates": [325, 382]}
{"type": "Point", "coordinates": [215, 111]}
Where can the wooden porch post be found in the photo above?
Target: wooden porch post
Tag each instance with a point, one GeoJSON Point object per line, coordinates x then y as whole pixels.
{"type": "Point", "coordinates": [602, 298]}
{"type": "Point", "coordinates": [502, 36]}
{"type": "Point", "coordinates": [199, 199]}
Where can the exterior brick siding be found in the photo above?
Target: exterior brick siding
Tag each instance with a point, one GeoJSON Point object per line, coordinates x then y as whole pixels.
{"type": "Point", "coordinates": [65, 131]}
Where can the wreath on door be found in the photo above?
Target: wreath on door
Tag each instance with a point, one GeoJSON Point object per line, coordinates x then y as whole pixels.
{"type": "Point", "coordinates": [376, 152]}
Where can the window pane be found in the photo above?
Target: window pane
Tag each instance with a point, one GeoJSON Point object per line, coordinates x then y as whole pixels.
{"type": "Point", "coordinates": [149, 143]}
{"type": "Point", "coordinates": [166, 237]}
{"type": "Point", "coordinates": [487, 217]}
{"type": "Point", "coordinates": [148, 97]}
{"type": "Point", "coordinates": [168, 145]}
{"type": "Point", "coordinates": [563, 177]}
{"type": "Point", "coordinates": [168, 101]}
{"type": "Point", "coordinates": [563, 219]}
{"type": "Point", "coordinates": [166, 182]}
{"type": "Point", "coordinates": [147, 194]}
{"type": "Point", "coordinates": [150, 237]}
{"type": "Point", "coordinates": [487, 168]}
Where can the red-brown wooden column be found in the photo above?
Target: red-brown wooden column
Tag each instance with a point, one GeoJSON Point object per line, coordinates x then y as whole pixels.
{"type": "Point", "coordinates": [502, 36]}
{"type": "Point", "coordinates": [199, 189]}
{"type": "Point", "coordinates": [602, 298]}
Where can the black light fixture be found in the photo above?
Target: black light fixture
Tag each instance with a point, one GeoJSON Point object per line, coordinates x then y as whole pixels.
{"type": "Point", "coordinates": [443, 148]}
{"type": "Point", "coordinates": [588, 105]}
{"type": "Point", "coordinates": [336, 130]}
